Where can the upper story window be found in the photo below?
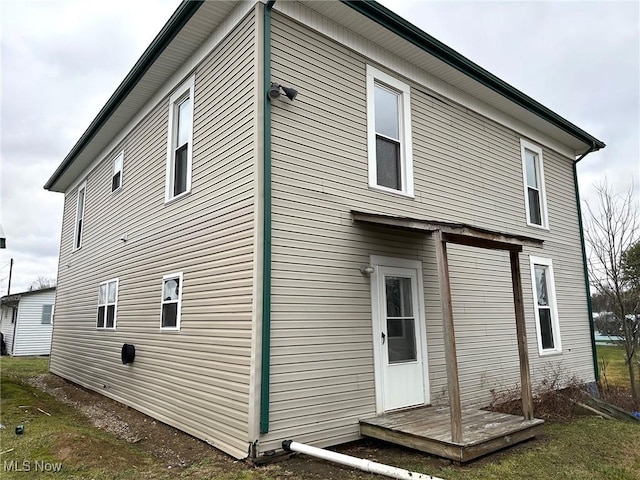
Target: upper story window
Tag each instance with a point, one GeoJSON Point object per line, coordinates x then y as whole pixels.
{"type": "Point", "coordinates": [389, 133]}
{"type": "Point", "coordinates": [47, 314]}
{"type": "Point", "coordinates": [534, 194]}
{"type": "Point", "coordinates": [107, 304]}
{"type": "Point", "coordinates": [79, 225]}
{"type": "Point", "coordinates": [171, 301]}
{"type": "Point", "coordinates": [180, 141]}
{"type": "Point", "coordinates": [546, 309]}
{"type": "Point", "coordinates": [116, 178]}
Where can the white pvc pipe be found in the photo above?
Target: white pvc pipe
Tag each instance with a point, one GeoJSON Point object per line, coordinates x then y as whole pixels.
{"type": "Point", "coordinates": [359, 463]}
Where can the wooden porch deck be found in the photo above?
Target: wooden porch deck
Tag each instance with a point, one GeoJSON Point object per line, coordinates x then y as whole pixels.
{"type": "Point", "coordinates": [428, 429]}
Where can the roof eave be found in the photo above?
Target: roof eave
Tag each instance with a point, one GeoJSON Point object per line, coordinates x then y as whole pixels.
{"type": "Point", "coordinates": [179, 18]}
{"type": "Point", "coordinates": [398, 25]}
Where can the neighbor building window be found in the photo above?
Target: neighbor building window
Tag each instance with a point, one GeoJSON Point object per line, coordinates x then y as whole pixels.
{"type": "Point", "coordinates": [79, 227]}
{"type": "Point", "coordinates": [171, 301]}
{"type": "Point", "coordinates": [534, 192]}
{"type": "Point", "coordinates": [180, 141]}
{"type": "Point", "coordinates": [389, 133]}
{"type": "Point", "coordinates": [116, 178]}
{"type": "Point", "coordinates": [107, 304]}
{"type": "Point", "coordinates": [47, 315]}
{"type": "Point", "coordinates": [546, 310]}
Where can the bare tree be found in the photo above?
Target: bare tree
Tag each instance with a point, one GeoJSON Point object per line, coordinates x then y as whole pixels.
{"type": "Point", "coordinates": [42, 282]}
{"type": "Point", "coordinates": [612, 228]}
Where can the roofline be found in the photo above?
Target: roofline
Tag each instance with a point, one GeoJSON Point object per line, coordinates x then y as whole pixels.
{"type": "Point", "coordinates": [16, 296]}
{"type": "Point", "coordinates": [398, 25]}
{"type": "Point", "coordinates": [179, 18]}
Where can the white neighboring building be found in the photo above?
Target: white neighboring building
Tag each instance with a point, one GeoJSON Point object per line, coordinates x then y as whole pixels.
{"type": "Point", "coordinates": [26, 322]}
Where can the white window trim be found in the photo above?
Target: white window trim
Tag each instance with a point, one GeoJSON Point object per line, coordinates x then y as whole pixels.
{"type": "Point", "coordinates": [555, 322]}
{"type": "Point", "coordinates": [78, 245]}
{"type": "Point", "coordinates": [406, 155]}
{"type": "Point", "coordinates": [179, 311]}
{"type": "Point", "coordinates": [187, 88]}
{"type": "Point", "coordinates": [526, 145]}
{"type": "Point", "coordinates": [113, 171]}
{"type": "Point", "coordinates": [106, 304]}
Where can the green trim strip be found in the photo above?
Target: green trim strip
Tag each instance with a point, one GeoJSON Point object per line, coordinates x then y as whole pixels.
{"type": "Point", "coordinates": [398, 25]}
{"type": "Point", "coordinates": [586, 271]}
{"type": "Point", "coordinates": [178, 20]}
{"type": "Point", "coordinates": [266, 267]}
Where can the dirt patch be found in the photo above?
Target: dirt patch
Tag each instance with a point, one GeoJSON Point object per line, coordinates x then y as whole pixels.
{"type": "Point", "coordinates": [76, 449]}
{"type": "Point", "coordinates": [173, 447]}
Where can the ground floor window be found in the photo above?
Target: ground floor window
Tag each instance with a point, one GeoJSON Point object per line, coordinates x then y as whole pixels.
{"type": "Point", "coordinates": [546, 309]}
{"type": "Point", "coordinates": [171, 301]}
{"type": "Point", "coordinates": [107, 304]}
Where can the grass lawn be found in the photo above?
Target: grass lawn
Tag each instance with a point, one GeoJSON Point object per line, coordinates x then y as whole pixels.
{"type": "Point", "coordinates": [588, 448]}
{"type": "Point", "coordinates": [615, 370]}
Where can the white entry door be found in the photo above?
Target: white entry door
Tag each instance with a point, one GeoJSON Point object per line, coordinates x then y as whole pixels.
{"type": "Point", "coordinates": [399, 333]}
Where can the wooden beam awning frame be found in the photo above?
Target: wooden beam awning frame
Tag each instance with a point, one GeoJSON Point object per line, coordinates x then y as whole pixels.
{"type": "Point", "coordinates": [443, 233]}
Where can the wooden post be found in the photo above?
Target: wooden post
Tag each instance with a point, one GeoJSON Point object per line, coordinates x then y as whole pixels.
{"type": "Point", "coordinates": [453, 384]}
{"type": "Point", "coordinates": [521, 332]}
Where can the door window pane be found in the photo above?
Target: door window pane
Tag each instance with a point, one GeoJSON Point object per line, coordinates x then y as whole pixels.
{"type": "Point", "coordinates": [401, 345]}
{"type": "Point", "coordinates": [398, 293]}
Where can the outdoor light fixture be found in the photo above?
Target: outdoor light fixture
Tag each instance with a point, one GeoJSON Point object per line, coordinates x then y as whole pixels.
{"type": "Point", "coordinates": [274, 91]}
{"type": "Point", "coordinates": [367, 270]}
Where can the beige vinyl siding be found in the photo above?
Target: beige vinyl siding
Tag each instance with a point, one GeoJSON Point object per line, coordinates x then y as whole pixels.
{"type": "Point", "coordinates": [31, 336]}
{"type": "Point", "coordinates": [196, 379]}
{"type": "Point", "coordinates": [467, 169]}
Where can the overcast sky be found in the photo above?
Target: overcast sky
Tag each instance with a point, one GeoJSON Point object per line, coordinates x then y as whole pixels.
{"type": "Point", "coordinates": [62, 59]}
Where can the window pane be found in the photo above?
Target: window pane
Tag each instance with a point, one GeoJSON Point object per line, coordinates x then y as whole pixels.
{"type": "Point", "coordinates": [115, 182]}
{"type": "Point", "coordinates": [546, 329]}
{"type": "Point", "coordinates": [401, 347]}
{"type": "Point", "coordinates": [398, 293]}
{"type": "Point", "coordinates": [180, 171]}
{"type": "Point", "coordinates": [111, 314]}
{"type": "Point", "coordinates": [386, 112]}
{"type": "Point", "coordinates": [79, 233]}
{"type": "Point", "coordinates": [531, 166]}
{"type": "Point", "coordinates": [102, 294]}
{"type": "Point", "coordinates": [535, 216]}
{"type": "Point", "coordinates": [111, 296]}
{"type": "Point", "coordinates": [80, 203]}
{"type": "Point", "coordinates": [184, 122]}
{"type": "Point", "coordinates": [388, 163]}
{"type": "Point", "coordinates": [117, 164]}
{"type": "Point", "coordinates": [541, 285]}
{"type": "Point", "coordinates": [46, 314]}
{"type": "Point", "coordinates": [169, 314]}
{"type": "Point", "coordinates": [100, 322]}
{"type": "Point", "coordinates": [171, 289]}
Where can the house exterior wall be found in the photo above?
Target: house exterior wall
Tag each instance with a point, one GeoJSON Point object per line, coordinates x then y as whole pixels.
{"type": "Point", "coordinates": [467, 169]}
{"type": "Point", "coordinates": [31, 336]}
{"type": "Point", "coordinates": [6, 327]}
{"type": "Point", "coordinates": [197, 379]}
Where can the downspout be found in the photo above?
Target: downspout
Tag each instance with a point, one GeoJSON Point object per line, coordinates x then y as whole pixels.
{"type": "Point", "coordinates": [266, 267]}
{"type": "Point", "coordinates": [585, 265]}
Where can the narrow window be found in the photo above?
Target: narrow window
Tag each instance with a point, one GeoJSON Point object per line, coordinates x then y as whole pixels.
{"type": "Point", "coordinates": [77, 237]}
{"type": "Point", "coordinates": [171, 301]}
{"type": "Point", "coordinates": [116, 178]}
{"type": "Point", "coordinates": [389, 133]}
{"type": "Point", "coordinates": [544, 301]}
{"type": "Point", "coordinates": [107, 304]}
{"type": "Point", "coordinates": [534, 194]}
{"type": "Point", "coordinates": [180, 141]}
{"type": "Point", "coordinates": [47, 314]}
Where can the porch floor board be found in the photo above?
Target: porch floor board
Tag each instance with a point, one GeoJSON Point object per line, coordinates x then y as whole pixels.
{"type": "Point", "coordinates": [428, 429]}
